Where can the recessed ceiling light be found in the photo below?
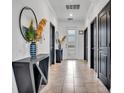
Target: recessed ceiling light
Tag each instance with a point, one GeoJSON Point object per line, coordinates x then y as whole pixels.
{"type": "Point", "coordinates": [70, 14]}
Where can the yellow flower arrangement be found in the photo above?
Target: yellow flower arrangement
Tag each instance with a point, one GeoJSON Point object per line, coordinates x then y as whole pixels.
{"type": "Point", "coordinates": [39, 30]}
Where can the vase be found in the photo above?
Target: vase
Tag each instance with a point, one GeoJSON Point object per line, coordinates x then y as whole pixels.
{"type": "Point", "coordinates": [59, 46]}
{"type": "Point", "coordinates": [33, 50]}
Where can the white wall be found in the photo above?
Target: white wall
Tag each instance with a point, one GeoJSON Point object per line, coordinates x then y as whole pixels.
{"type": "Point", "coordinates": [42, 9]}
{"type": "Point", "coordinates": [20, 48]}
{"type": "Point", "coordinates": [63, 26]}
{"type": "Point", "coordinates": [93, 11]}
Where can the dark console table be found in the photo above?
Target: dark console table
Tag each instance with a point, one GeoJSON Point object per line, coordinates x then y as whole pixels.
{"type": "Point", "coordinates": [31, 74]}
{"type": "Point", "coordinates": [59, 54]}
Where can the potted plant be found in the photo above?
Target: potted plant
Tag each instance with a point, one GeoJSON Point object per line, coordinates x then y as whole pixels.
{"type": "Point", "coordinates": [34, 36]}
{"type": "Point", "coordinates": [60, 41]}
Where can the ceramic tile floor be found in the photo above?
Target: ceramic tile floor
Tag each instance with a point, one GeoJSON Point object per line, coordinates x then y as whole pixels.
{"type": "Point", "coordinates": [73, 76]}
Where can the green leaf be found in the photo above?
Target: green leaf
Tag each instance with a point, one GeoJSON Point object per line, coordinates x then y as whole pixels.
{"type": "Point", "coordinates": [30, 34]}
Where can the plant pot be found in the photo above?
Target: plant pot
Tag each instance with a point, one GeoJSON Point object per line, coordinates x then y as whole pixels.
{"type": "Point", "coordinates": [33, 50]}
{"type": "Point", "coordinates": [59, 46]}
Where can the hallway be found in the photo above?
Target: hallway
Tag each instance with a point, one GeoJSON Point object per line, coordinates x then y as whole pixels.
{"type": "Point", "coordinates": [73, 76]}
{"type": "Point", "coordinates": [51, 40]}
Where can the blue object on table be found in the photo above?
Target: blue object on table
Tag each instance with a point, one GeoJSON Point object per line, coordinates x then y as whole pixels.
{"type": "Point", "coordinates": [33, 50]}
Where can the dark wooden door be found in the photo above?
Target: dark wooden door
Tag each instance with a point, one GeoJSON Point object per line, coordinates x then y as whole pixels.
{"type": "Point", "coordinates": [52, 43]}
{"type": "Point", "coordinates": [104, 52]}
{"type": "Point", "coordinates": [86, 44]}
{"type": "Point", "coordinates": [93, 49]}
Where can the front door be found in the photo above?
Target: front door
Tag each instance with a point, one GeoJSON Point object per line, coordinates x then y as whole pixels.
{"type": "Point", "coordinates": [71, 44]}
{"type": "Point", "coordinates": [104, 52]}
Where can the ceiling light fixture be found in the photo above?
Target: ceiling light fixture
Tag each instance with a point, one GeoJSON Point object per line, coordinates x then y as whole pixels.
{"type": "Point", "coordinates": [71, 14]}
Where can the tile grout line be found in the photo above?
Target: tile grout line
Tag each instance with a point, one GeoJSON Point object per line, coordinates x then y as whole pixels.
{"type": "Point", "coordinates": [62, 85]}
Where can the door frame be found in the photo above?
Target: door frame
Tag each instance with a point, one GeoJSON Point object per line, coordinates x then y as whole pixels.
{"type": "Point", "coordinates": [52, 38]}
{"type": "Point", "coordinates": [92, 44]}
{"type": "Point", "coordinates": [86, 44]}
{"type": "Point", "coordinates": [92, 47]}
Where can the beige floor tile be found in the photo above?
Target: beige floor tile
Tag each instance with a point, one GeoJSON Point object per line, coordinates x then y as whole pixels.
{"type": "Point", "coordinates": [68, 81]}
{"type": "Point", "coordinates": [68, 89]}
{"type": "Point", "coordinates": [102, 90]}
{"type": "Point", "coordinates": [80, 90]}
{"type": "Point", "coordinates": [78, 82]}
{"type": "Point", "coordinates": [54, 89]}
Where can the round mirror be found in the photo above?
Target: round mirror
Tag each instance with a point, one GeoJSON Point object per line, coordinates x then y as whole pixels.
{"type": "Point", "coordinates": [26, 15]}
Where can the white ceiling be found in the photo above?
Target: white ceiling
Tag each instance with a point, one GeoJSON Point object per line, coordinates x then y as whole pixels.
{"type": "Point", "coordinates": [63, 14]}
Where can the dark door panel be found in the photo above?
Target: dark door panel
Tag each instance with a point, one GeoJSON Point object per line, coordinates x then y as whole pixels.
{"type": "Point", "coordinates": [104, 53]}
{"type": "Point", "coordinates": [86, 44]}
{"type": "Point", "coordinates": [52, 43]}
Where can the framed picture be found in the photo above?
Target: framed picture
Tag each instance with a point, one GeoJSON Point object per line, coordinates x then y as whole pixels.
{"type": "Point", "coordinates": [57, 36]}
{"type": "Point", "coordinates": [81, 32]}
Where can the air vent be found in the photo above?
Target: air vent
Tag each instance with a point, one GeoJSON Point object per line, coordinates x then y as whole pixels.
{"type": "Point", "coordinates": [70, 19]}
{"type": "Point", "coordinates": [74, 7]}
